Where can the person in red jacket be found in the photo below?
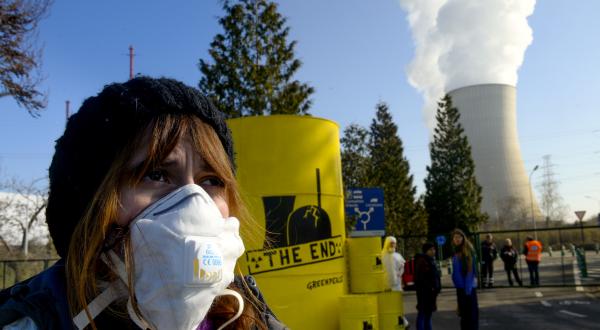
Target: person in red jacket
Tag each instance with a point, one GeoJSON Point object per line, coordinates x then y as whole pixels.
{"type": "Point", "coordinates": [533, 255]}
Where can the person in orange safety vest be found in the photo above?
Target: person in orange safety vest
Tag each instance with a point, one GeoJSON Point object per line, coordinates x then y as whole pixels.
{"type": "Point", "coordinates": [533, 255]}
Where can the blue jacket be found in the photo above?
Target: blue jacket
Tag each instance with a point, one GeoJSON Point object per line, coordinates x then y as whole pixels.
{"type": "Point", "coordinates": [460, 281]}
{"type": "Point", "coordinates": [43, 299]}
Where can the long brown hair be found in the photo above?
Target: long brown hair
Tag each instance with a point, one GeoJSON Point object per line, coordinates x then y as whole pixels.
{"type": "Point", "coordinates": [464, 251]}
{"type": "Point", "coordinates": [84, 267]}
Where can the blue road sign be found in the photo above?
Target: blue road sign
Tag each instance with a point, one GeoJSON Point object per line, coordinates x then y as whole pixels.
{"type": "Point", "coordinates": [441, 240]}
{"type": "Point", "coordinates": [366, 204]}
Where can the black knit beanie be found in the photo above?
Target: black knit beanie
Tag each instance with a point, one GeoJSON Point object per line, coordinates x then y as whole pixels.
{"type": "Point", "coordinates": [98, 132]}
{"type": "Point", "coordinates": [426, 246]}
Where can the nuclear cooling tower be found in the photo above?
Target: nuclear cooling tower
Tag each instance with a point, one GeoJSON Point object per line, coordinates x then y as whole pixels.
{"type": "Point", "coordinates": [489, 117]}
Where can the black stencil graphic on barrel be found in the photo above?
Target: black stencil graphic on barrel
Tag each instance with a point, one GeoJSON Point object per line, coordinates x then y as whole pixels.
{"type": "Point", "coordinates": [277, 211]}
{"type": "Point", "coordinates": [308, 223]}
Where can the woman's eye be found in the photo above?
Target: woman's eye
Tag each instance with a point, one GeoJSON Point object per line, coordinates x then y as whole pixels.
{"type": "Point", "coordinates": [156, 175]}
{"type": "Point", "coordinates": [212, 181]}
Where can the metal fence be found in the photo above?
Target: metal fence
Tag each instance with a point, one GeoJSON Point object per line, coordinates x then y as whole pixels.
{"type": "Point", "coordinates": [571, 255]}
{"type": "Point", "coordinates": [16, 270]}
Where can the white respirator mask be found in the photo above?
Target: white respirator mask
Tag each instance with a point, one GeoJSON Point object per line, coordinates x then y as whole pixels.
{"type": "Point", "coordinates": [184, 255]}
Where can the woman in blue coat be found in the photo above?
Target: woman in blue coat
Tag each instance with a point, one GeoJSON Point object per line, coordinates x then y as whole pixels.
{"type": "Point", "coordinates": [464, 279]}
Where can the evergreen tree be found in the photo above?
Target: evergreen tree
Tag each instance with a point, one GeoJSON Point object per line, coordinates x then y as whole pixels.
{"type": "Point", "coordinates": [419, 224]}
{"type": "Point", "coordinates": [453, 197]}
{"type": "Point", "coordinates": [355, 162]}
{"type": "Point", "coordinates": [254, 64]}
{"type": "Point", "coordinates": [355, 156]}
{"type": "Point", "coordinates": [417, 231]}
{"type": "Point", "coordinates": [389, 170]}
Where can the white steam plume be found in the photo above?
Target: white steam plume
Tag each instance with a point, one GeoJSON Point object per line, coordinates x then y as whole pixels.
{"type": "Point", "coordinates": [465, 42]}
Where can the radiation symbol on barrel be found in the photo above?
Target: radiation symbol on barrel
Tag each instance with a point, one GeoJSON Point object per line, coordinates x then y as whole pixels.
{"type": "Point", "coordinates": [295, 235]}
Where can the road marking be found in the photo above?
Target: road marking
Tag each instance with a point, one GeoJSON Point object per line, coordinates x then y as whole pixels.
{"type": "Point", "coordinates": [577, 277]}
{"type": "Point", "coordinates": [545, 303]}
{"type": "Point", "coordinates": [574, 302]}
{"type": "Point", "coordinates": [572, 314]}
{"type": "Point", "coordinates": [538, 294]}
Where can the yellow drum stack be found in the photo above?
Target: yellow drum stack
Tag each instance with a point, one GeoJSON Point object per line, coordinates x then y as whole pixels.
{"type": "Point", "coordinates": [359, 312]}
{"type": "Point", "coordinates": [368, 276]}
{"type": "Point", "coordinates": [289, 171]}
{"type": "Point", "coordinates": [391, 310]}
{"type": "Point", "coordinates": [366, 268]}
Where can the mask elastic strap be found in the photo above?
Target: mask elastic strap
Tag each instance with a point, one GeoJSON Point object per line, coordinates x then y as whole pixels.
{"type": "Point", "coordinates": [111, 258]}
{"type": "Point", "coordinates": [103, 300]}
{"type": "Point", "coordinates": [112, 293]}
{"type": "Point", "coordinates": [228, 292]}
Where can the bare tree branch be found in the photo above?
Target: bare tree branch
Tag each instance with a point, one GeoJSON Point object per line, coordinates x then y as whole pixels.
{"type": "Point", "coordinates": [20, 55]}
{"type": "Point", "coordinates": [5, 245]}
{"type": "Point", "coordinates": [35, 214]}
{"type": "Point", "coordinates": [21, 208]}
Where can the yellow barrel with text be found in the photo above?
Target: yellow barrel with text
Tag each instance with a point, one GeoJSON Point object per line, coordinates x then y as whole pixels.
{"type": "Point", "coordinates": [289, 171]}
{"type": "Point", "coordinates": [366, 268]}
{"type": "Point", "coordinates": [358, 312]}
{"type": "Point", "coordinates": [391, 310]}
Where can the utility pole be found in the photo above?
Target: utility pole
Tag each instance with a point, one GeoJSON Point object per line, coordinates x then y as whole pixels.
{"type": "Point", "coordinates": [580, 215]}
{"type": "Point", "coordinates": [67, 109]}
{"type": "Point", "coordinates": [131, 56]}
{"type": "Point", "coordinates": [548, 187]}
{"type": "Point", "coordinates": [551, 200]}
{"type": "Point", "coordinates": [531, 200]}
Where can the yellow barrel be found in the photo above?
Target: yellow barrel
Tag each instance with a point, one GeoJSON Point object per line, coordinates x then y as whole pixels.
{"type": "Point", "coordinates": [358, 312]}
{"type": "Point", "coordinates": [366, 269]}
{"type": "Point", "coordinates": [289, 171]}
{"type": "Point", "coordinates": [391, 310]}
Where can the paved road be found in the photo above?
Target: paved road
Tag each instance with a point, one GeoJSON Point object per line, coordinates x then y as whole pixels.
{"type": "Point", "coordinates": [520, 309]}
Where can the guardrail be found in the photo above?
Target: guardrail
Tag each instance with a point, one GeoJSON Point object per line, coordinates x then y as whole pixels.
{"type": "Point", "coordinates": [571, 255]}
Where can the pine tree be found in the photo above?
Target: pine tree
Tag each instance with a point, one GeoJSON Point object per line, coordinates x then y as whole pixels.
{"type": "Point", "coordinates": [254, 64]}
{"type": "Point", "coordinates": [355, 162]}
{"type": "Point", "coordinates": [355, 156]}
{"type": "Point", "coordinates": [389, 169]}
{"type": "Point", "coordinates": [453, 197]}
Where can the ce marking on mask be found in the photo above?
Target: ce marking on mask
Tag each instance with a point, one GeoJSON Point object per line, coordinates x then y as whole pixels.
{"type": "Point", "coordinates": [262, 261]}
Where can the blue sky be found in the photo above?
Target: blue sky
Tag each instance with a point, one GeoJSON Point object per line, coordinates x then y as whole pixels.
{"type": "Point", "coordinates": [355, 53]}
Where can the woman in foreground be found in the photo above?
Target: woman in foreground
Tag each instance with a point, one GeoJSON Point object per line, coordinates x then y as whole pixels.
{"type": "Point", "coordinates": [143, 210]}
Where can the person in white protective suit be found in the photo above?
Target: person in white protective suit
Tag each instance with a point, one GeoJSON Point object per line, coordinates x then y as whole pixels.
{"type": "Point", "coordinates": [393, 263]}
